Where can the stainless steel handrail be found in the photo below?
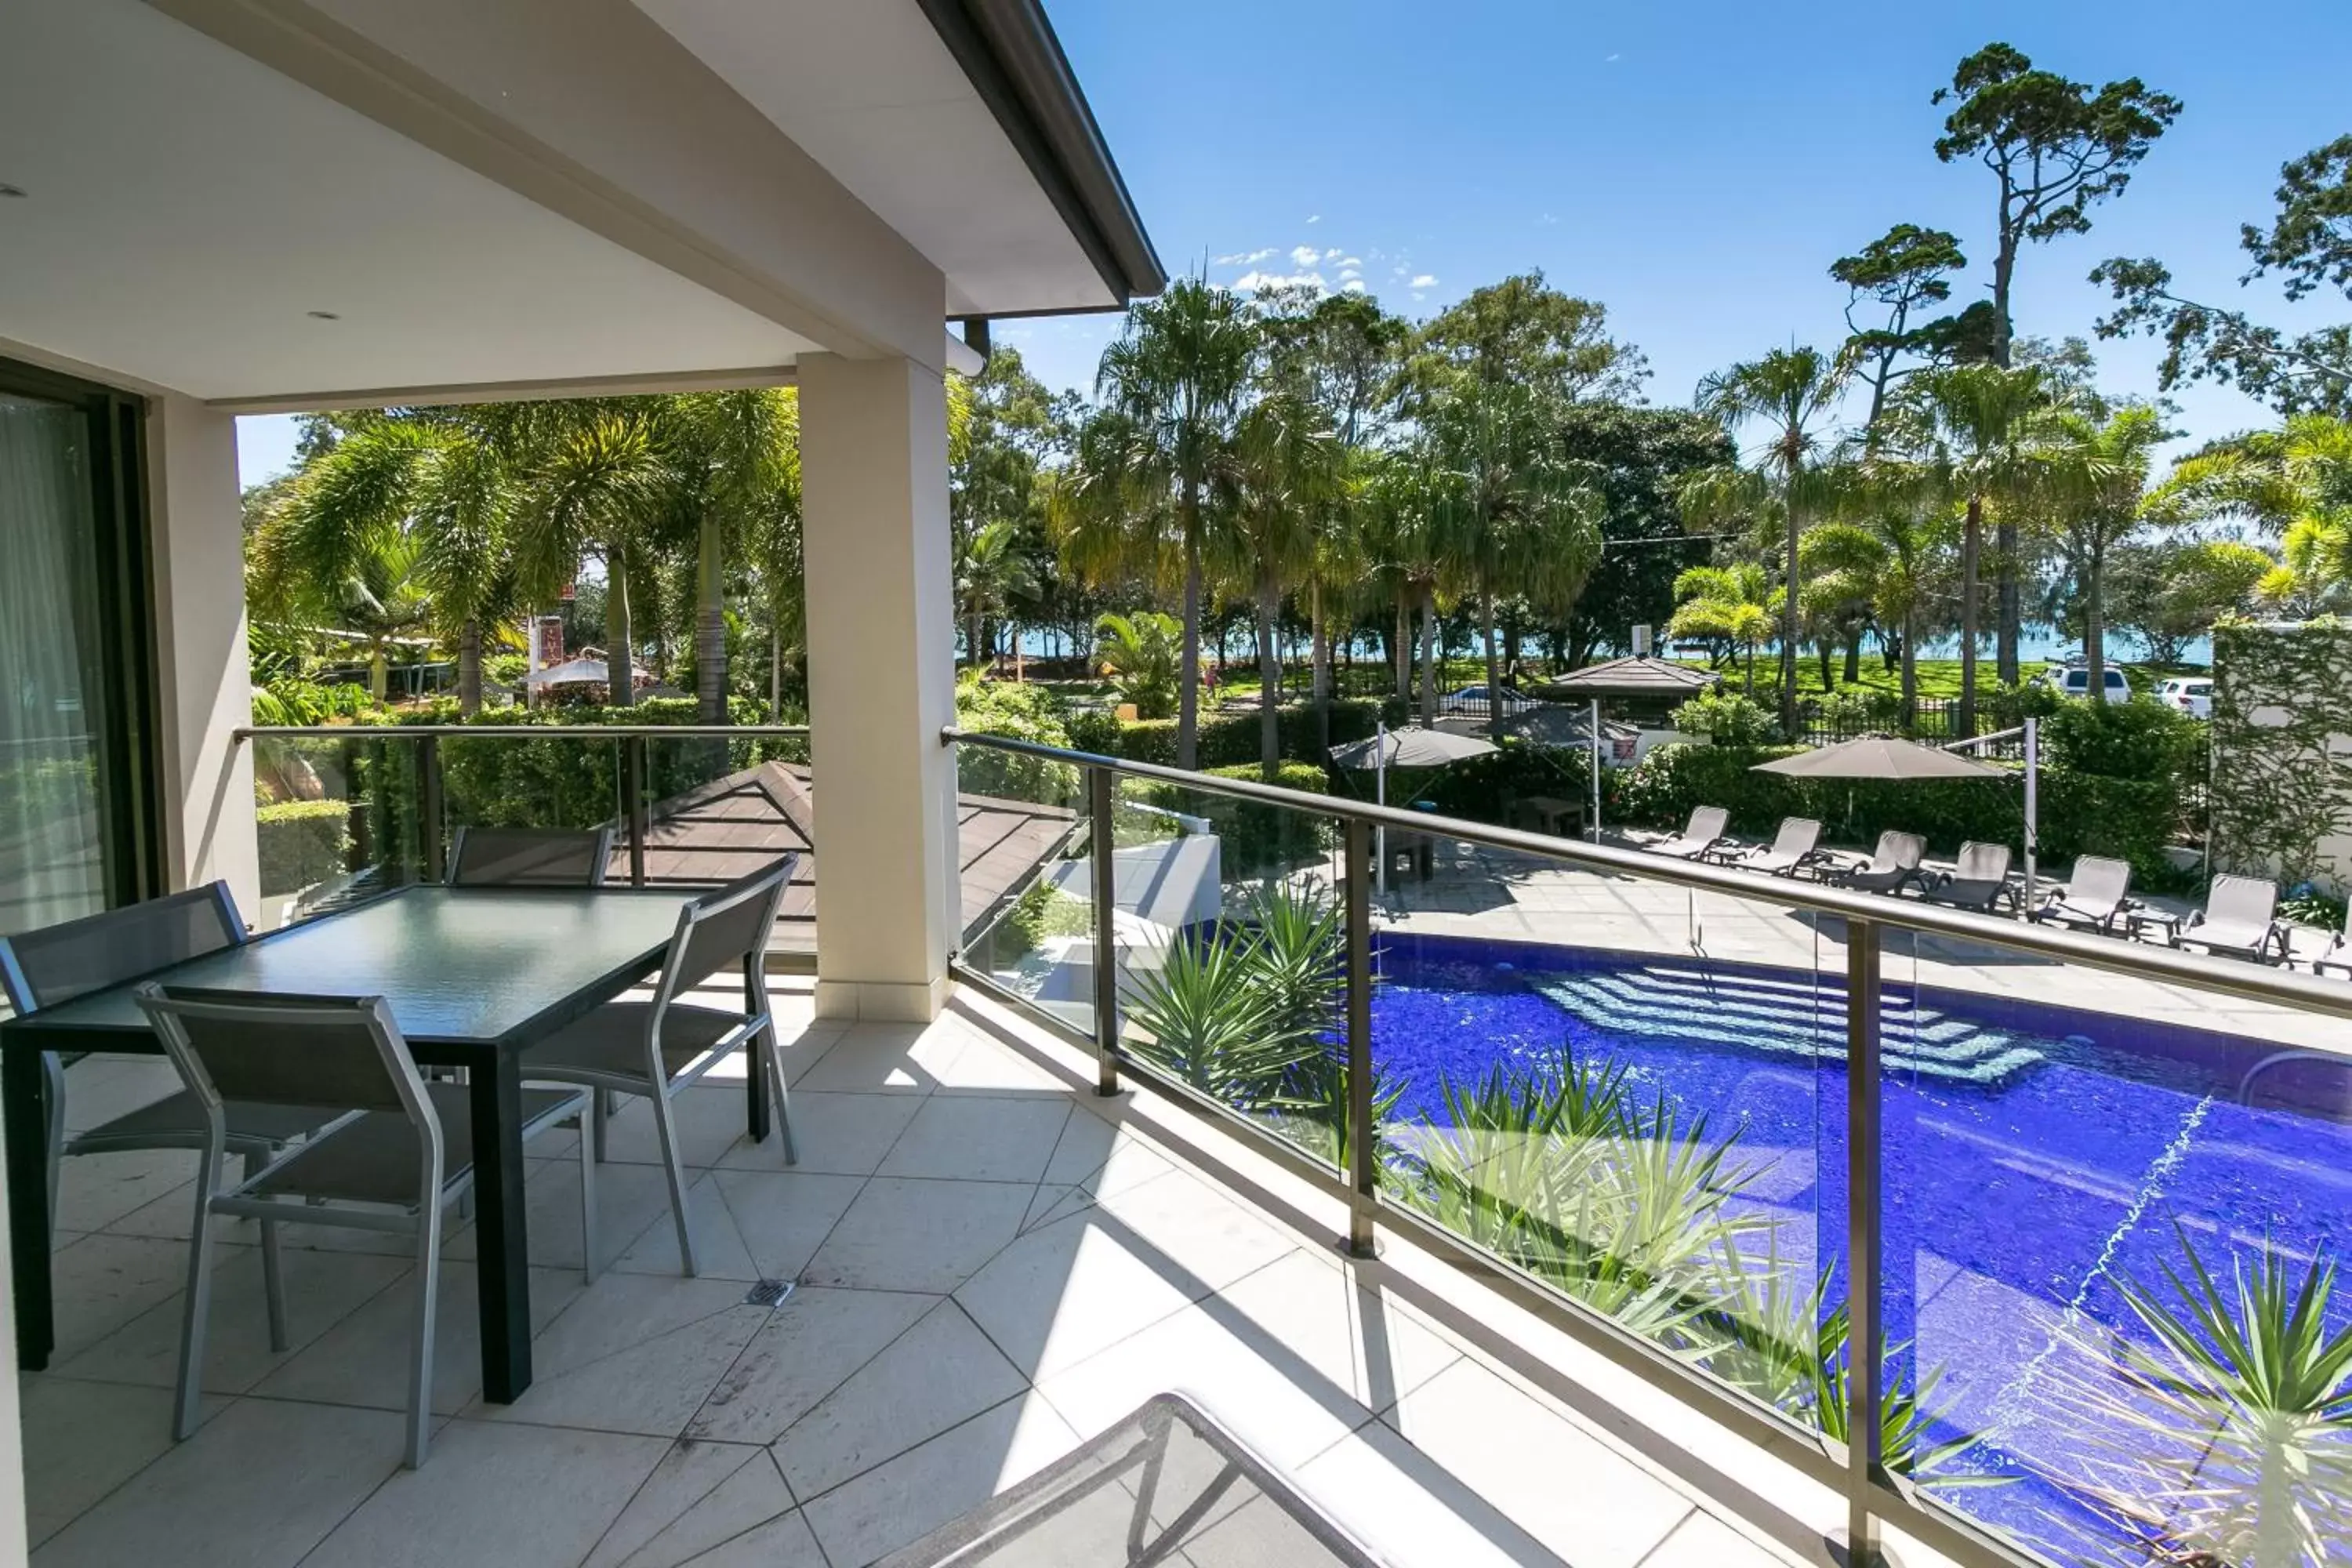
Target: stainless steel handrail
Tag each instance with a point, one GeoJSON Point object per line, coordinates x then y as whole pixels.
{"type": "Point", "coordinates": [2228, 977]}
{"type": "Point", "coordinates": [506, 731]}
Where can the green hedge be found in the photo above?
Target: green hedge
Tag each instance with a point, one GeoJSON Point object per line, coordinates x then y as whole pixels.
{"type": "Point", "coordinates": [302, 842]}
{"type": "Point", "coordinates": [1233, 739]}
{"type": "Point", "coordinates": [2080, 813]}
{"type": "Point", "coordinates": [1254, 838]}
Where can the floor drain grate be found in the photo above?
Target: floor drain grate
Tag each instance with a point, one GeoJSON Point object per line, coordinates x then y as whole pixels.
{"type": "Point", "coordinates": [768, 1293]}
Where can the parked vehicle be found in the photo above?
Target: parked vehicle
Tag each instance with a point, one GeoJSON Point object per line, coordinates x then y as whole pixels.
{"type": "Point", "coordinates": [2192, 694]}
{"type": "Point", "coordinates": [2074, 680]}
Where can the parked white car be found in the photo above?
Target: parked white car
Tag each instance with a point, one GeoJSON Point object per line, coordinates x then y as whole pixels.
{"type": "Point", "coordinates": [2192, 694]}
{"type": "Point", "coordinates": [2074, 680]}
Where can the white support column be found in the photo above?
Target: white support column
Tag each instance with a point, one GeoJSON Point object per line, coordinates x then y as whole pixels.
{"type": "Point", "coordinates": [874, 493]}
{"type": "Point", "coordinates": [203, 681]}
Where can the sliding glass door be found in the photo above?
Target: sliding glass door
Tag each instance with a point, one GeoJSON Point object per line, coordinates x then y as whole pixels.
{"type": "Point", "coordinates": [73, 831]}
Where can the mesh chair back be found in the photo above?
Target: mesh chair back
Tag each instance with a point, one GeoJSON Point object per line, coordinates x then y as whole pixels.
{"type": "Point", "coordinates": [45, 968]}
{"type": "Point", "coordinates": [530, 858]}
{"type": "Point", "coordinates": [1707, 821]}
{"type": "Point", "coordinates": [1901, 851]}
{"type": "Point", "coordinates": [2241, 900]}
{"type": "Point", "coordinates": [1798, 835]}
{"type": "Point", "coordinates": [1982, 863]}
{"type": "Point", "coordinates": [720, 929]}
{"type": "Point", "coordinates": [2098, 882]}
{"type": "Point", "coordinates": [268, 1049]}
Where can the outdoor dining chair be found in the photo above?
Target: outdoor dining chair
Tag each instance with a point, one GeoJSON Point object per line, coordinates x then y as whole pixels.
{"type": "Point", "coordinates": [655, 1049]}
{"type": "Point", "coordinates": [393, 1162]}
{"type": "Point", "coordinates": [1978, 881]}
{"type": "Point", "coordinates": [49, 967]}
{"type": "Point", "coordinates": [2096, 896]}
{"type": "Point", "coordinates": [530, 858]}
{"type": "Point", "coordinates": [1700, 836]}
{"type": "Point", "coordinates": [1794, 849]}
{"type": "Point", "coordinates": [2239, 919]}
{"type": "Point", "coordinates": [1893, 866]}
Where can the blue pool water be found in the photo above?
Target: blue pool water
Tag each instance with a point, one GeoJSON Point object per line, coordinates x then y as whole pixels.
{"type": "Point", "coordinates": [2033, 1153]}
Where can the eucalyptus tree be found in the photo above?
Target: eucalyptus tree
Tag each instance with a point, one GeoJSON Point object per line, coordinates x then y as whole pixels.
{"type": "Point", "coordinates": [1903, 273]}
{"type": "Point", "coordinates": [1284, 479]}
{"type": "Point", "coordinates": [1791, 393]}
{"type": "Point", "coordinates": [1175, 378]}
{"type": "Point", "coordinates": [413, 510]}
{"type": "Point", "coordinates": [1984, 429]}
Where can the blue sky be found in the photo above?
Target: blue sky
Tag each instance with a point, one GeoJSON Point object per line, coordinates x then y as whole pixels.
{"type": "Point", "coordinates": [1695, 167]}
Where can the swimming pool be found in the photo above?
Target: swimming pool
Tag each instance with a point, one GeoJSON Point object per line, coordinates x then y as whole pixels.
{"type": "Point", "coordinates": [2035, 1155]}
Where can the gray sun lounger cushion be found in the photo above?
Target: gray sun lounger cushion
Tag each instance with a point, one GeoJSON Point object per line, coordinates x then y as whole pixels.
{"type": "Point", "coordinates": [2240, 916]}
{"type": "Point", "coordinates": [2096, 895]}
{"type": "Point", "coordinates": [1978, 881]}
{"type": "Point", "coordinates": [1894, 864]}
{"type": "Point", "coordinates": [1796, 847]}
{"type": "Point", "coordinates": [1701, 836]}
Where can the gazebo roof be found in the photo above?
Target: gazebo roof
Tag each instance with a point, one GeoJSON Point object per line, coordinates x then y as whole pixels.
{"type": "Point", "coordinates": [1635, 676]}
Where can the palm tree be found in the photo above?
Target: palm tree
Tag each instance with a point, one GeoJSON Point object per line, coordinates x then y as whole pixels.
{"type": "Point", "coordinates": [2099, 472]}
{"type": "Point", "coordinates": [1139, 654]}
{"type": "Point", "coordinates": [1736, 606]}
{"type": "Point", "coordinates": [1407, 495]}
{"type": "Point", "coordinates": [737, 455]}
{"type": "Point", "coordinates": [426, 489]}
{"type": "Point", "coordinates": [1286, 470]}
{"type": "Point", "coordinates": [601, 484]}
{"type": "Point", "coordinates": [1985, 431]}
{"type": "Point", "coordinates": [1523, 517]}
{"type": "Point", "coordinates": [1176, 376]}
{"type": "Point", "coordinates": [990, 571]}
{"type": "Point", "coordinates": [1887, 535]}
{"type": "Point", "coordinates": [2295, 482]}
{"type": "Point", "coordinates": [1790, 392]}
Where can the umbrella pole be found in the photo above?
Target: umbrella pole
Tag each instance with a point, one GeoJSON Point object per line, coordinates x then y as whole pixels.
{"type": "Point", "coordinates": [1594, 729]}
{"type": "Point", "coordinates": [2033, 803]}
{"type": "Point", "coordinates": [1380, 794]}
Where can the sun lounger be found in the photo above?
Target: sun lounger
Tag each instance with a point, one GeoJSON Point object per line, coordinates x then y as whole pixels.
{"type": "Point", "coordinates": [1795, 850]}
{"type": "Point", "coordinates": [1978, 880]}
{"type": "Point", "coordinates": [2096, 896]}
{"type": "Point", "coordinates": [1894, 865]}
{"type": "Point", "coordinates": [2336, 957]}
{"type": "Point", "coordinates": [2239, 919]}
{"type": "Point", "coordinates": [1703, 834]}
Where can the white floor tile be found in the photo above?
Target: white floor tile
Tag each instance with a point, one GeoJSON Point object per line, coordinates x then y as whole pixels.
{"type": "Point", "coordinates": [1070, 1289]}
{"type": "Point", "coordinates": [258, 1486]}
{"type": "Point", "coordinates": [940, 1372]}
{"type": "Point", "coordinates": [836, 1134]}
{"type": "Point", "coordinates": [701, 1496]}
{"type": "Point", "coordinates": [928, 1236]}
{"type": "Point", "coordinates": [883, 1059]}
{"type": "Point", "coordinates": [1389, 1496]}
{"type": "Point", "coordinates": [783, 1219]}
{"type": "Point", "coordinates": [948, 1476]}
{"type": "Point", "coordinates": [101, 1282]}
{"type": "Point", "coordinates": [520, 1497]}
{"type": "Point", "coordinates": [634, 1353]}
{"type": "Point", "coordinates": [980, 1138]}
{"type": "Point", "coordinates": [784, 1543]}
{"type": "Point", "coordinates": [709, 1119]}
{"type": "Point", "coordinates": [81, 1441]}
{"type": "Point", "coordinates": [1703, 1541]}
{"type": "Point", "coordinates": [94, 1191]}
{"type": "Point", "coordinates": [808, 1347]}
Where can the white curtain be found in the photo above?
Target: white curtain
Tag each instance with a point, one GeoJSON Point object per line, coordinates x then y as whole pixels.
{"type": "Point", "coordinates": [52, 840]}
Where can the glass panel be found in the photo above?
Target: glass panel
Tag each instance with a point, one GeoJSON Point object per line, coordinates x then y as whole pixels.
{"type": "Point", "coordinates": [1629, 1091]}
{"type": "Point", "coordinates": [1024, 885]}
{"type": "Point", "coordinates": [723, 807]}
{"type": "Point", "coordinates": [561, 781]}
{"type": "Point", "coordinates": [2117, 1243]}
{"type": "Point", "coordinates": [1235, 971]}
{"type": "Point", "coordinates": [54, 845]}
{"type": "Point", "coordinates": [335, 821]}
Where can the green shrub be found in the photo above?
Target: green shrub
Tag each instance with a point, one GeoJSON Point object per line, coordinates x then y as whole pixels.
{"type": "Point", "coordinates": [2136, 740]}
{"type": "Point", "coordinates": [1233, 739]}
{"type": "Point", "coordinates": [1093, 730]}
{"type": "Point", "coordinates": [301, 842]}
{"type": "Point", "coordinates": [1727, 719]}
{"type": "Point", "coordinates": [1859, 709]}
{"type": "Point", "coordinates": [1018, 711]}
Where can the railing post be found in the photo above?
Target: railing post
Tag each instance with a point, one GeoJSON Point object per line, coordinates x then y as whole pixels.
{"type": "Point", "coordinates": [1100, 794]}
{"type": "Point", "coordinates": [1364, 1138]}
{"type": "Point", "coordinates": [1866, 1330]}
{"type": "Point", "coordinates": [428, 805]}
{"type": "Point", "coordinates": [633, 803]}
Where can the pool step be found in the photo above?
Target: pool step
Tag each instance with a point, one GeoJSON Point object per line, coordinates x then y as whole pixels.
{"type": "Point", "coordinates": [1803, 1018]}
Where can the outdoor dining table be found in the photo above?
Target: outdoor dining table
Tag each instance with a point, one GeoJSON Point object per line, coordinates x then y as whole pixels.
{"type": "Point", "coordinates": [474, 977]}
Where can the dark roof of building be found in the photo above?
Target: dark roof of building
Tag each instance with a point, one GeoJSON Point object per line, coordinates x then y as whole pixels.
{"type": "Point", "coordinates": [1639, 676]}
{"type": "Point", "coordinates": [733, 826]}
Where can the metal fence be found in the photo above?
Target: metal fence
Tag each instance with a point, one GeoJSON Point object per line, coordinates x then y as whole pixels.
{"type": "Point", "coordinates": [1874, 1494]}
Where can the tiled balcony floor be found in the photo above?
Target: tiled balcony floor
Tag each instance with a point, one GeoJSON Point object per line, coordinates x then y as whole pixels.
{"type": "Point", "coordinates": [993, 1265]}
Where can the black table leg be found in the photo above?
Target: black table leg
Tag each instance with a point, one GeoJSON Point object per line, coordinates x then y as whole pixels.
{"type": "Point", "coordinates": [755, 1078]}
{"type": "Point", "coordinates": [23, 1109]}
{"type": "Point", "coordinates": [505, 1276]}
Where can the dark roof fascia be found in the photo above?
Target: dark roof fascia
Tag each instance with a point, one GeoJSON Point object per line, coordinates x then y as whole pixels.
{"type": "Point", "coordinates": [1008, 50]}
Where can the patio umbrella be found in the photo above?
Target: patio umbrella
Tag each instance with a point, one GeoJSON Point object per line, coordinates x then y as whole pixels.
{"type": "Point", "coordinates": [1879, 757]}
{"type": "Point", "coordinates": [1411, 747]}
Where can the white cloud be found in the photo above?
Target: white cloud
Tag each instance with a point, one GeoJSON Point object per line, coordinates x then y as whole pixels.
{"type": "Point", "coordinates": [1305, 256]}
{"type": "Point", "coordinates": [1613, 59]}
{"type": "Point", "coordinates": [1349, 275]}
{"type": "Point", "coordinates": [1351, 261]}
{"type": "Point", "coordinates": [1423, 280]}
{"type": "Point", "coordinates": [1419, 295]}
{"type": "Point", "coordinates": [1251, 282]}
{"type": "Point", "coordinates": [1316, 218]}
{"type": "Point", "coordinates": [1245, 257]}
{"type": "Point", "coordinates": [1354, 286]}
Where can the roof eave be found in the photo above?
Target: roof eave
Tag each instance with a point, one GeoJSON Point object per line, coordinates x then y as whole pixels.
{"type": "Point", "coordinates": [1008, 50]}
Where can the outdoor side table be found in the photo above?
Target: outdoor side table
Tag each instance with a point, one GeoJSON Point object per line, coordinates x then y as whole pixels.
{"type": "Point", "coordinates": [1167, 1478]}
